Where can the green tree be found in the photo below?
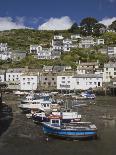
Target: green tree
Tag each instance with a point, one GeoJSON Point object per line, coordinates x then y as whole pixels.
{"type": "Point", "coordinates": [113, 26]}
{"type": "Point", "coordinates": [74, 28]}
{"type": "Point", "coordinates": [87, 25]}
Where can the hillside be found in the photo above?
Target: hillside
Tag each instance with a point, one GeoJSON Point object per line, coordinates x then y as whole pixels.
{"type": "Point", "coordinates": [22, 38]}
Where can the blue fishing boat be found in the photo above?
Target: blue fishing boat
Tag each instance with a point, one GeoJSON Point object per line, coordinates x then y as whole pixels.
{"type": "Point", "coordinates": [73, 130]}
{"type": "Point", "coordinates": [88, 95]}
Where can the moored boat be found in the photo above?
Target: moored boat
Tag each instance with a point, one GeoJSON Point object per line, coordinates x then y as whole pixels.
{"type": "Point", "coordinates": [67, 117]}
{"type": "Point", "coordinates": [73, 130]}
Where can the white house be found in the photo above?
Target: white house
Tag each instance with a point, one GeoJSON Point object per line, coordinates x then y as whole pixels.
{"type": "Point", "coordinates": [87, 81]}
{"type": "Point", "coordinates": [28, 82]}
{"type": "Point", "coordinates": [58, 37]}
{"type": "Point", "coordinates": [111, 50]}
{"type": "Point", "coordinates": [5, 55]}
{"type": "Point", "coordinates": [3, 47]}
{"type": "Point", "coordinates": [64, 82]}
{"type": "Point", "coordinates": [100, 41]}
{"type": "Point", "coordinates": [35, 48]}
{"type": "Point", "coordinates": [13, 75]}
{"type": "Point", "coordinates": [75, 36]}
{"type": "Point", "coordinates": [44, 54]}
{"type": "Point", "coordinates": [109, 72]}
{"type": "Point", "coordinates": [86, 42]}
{"type": "Point", "coordinates": [2, 75]}
{"type": "Point", "coordinates": [82, 81]}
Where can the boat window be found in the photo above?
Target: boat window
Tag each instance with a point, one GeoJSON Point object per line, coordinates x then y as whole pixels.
{"type": "Point", "coordinates": [55, 121]}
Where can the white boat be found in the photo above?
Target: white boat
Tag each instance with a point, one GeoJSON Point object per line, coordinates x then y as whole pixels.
{"type": "Point", "coordinates": [67, 117]}
{"type": "Point", "coordinates": [33, 101]}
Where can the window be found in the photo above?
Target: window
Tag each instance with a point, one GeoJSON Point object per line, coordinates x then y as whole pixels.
{"type": "Point", "coordinates": [63, 77]}
{"type": "Point", "coordinates": [95, 83]}
{"type": "Point", "coordinates": [9, 75]}
{"type": "Point", "coordinates": [28, 82]}
{"type": "Point", "coordinates": [55, 121]}
{"type": "Point", "coordinates": [106, 69]}
{"type": "Point", "coordinates": [77, 83]}
{"type": "Point", "coordinates": [52, 78]}
{"type": "Point", "coordinates": [99, 84]}
{"type": "Point", "coordinates": [45, 78]}
{"type": "Point", "coordinates": [23, 78]}
{"type": "Point", "coordinates": [63, 81]}
{"type": "Point", "coordinates": [44, 83]}
{"type": "Point", "coordinates": [90, 83]}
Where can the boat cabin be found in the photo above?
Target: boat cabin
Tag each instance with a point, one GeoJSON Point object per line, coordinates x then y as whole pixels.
{"type": "Point", "coordinates": [55, 120]}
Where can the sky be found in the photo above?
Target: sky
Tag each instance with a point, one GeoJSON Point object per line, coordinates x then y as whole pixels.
{"type": "Point", "coordinates": [53, 14]}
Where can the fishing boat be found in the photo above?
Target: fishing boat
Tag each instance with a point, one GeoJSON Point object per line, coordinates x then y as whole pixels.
{"type": "Point", "coordinates": [67, 117]}
{"type": "Point", "coordinates": [88, 95]}
{"type": "Point", "coordinates": [73, 130]}
{"type": "Point", "coordinates": [38, 102]}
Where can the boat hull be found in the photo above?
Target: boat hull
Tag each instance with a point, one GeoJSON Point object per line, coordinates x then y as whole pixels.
{"type": "Point", "coordinates": [69, 134]}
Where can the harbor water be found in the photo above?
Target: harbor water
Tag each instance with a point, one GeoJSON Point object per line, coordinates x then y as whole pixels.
{"type": "Point", "coordinates": [23, 137]}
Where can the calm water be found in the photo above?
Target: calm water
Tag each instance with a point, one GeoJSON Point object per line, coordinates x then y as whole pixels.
{"type": "Point", "coordinates": [25, 138]}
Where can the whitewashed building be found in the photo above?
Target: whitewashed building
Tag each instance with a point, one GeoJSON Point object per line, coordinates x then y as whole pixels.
{"type": "Point", "coordinates": [82, 81]}
{"type": "Point", "coordinates": [75, 37]}
{"type": "Point", "coordinates": [3, 47]}
{"type": "Point", "coordinates": [111, 51]}
{"type": "Point", "coordinates": [34, 49]}
{"type": "Point", "coordinates": [109, 72]}
{"type": "Point", "coordinates": [2, 75]}
{"type": "Point", "coordinates": [58, 37]}
{"type": "Point", "coordinates": [100, 41]}
{"type": "Point", "coordinates": [86, 42]}
{"type": "Point", "coordinates": [13, 75]}
{"type": "Point", "coordinates": [5, 55]}
{"type": "Point", "coordinates": [28, 82]}
{"type": "Point", "coordinates": [44, 54]}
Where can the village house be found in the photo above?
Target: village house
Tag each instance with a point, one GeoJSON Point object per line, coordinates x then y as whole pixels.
{"type": "Point", "coordinates": [112, 51]}
{"type": "Point", "coordinates": [28, 81]}
{"type": "Point", "coordinates": [86, 42]}
{"type": "Point", "coordinates": [109, 71]}
{"type": "Point", "coordinates": [47, 69]}
{"type": "Point", "coordinates": [99, 41]}
{"type": "Point", "coordinates": [75, 37]}
{"type": "Point", "coordinates": [3, 47]}
{"type": "Point", "coordinates": [87, 68]}
{"type": "Point", "coordinates": [18, 55]}
{"type": "Point", "coordinates": [57, 43]}
{"type": "Point", "coordinates": [2, 75]}
{"type": "Point", "coordinates": [48, 80]}
{"type": "Point", "coordinates": [5, 55]}
{"type": "Point", "coordinates": [13, 77]}
{"type": "Point", "coordinates": [82, 81]}
{"type": "Point", "coordinates": [34, 49]}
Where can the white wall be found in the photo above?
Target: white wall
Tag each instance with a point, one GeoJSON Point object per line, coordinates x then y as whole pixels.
{"type": "Point", "coordinates": [73, 83]}
{"type": "Point", "coordinates": [2, 78]}
{"type": "Point", "coordinates": [28, 82]}
{"type": "Point", "coordinates": [13, 76]}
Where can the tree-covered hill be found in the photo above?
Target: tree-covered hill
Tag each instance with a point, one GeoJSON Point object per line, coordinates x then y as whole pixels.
{"type": "Point", "coordinates": [22, 38]}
